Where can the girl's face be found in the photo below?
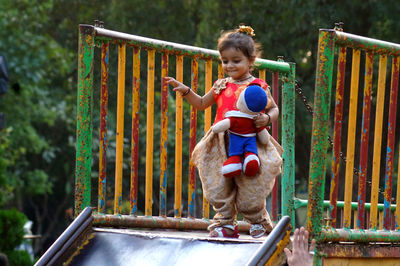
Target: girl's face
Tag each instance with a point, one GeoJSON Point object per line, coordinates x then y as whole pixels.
{"type": "Point", "coordinates": [235, 63]}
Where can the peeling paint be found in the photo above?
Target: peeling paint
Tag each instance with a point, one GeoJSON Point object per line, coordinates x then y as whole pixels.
{"type": "Point", "coordinates": [319, 132]}
{"type": "Point", "coordinates": [164, 137]}
{"type": "Point", "coordinates": [337, 134]}
{"type": "Point", "coordinates": [391, 142]}
{"type": "Point", "coordinates": [103, 127]}
{"type": "Point", "coordinates": [192, 142]}
{"type": "Point", "coordinates": [84, 119]}
{"type": "Point", "coordinates": [135, 130]}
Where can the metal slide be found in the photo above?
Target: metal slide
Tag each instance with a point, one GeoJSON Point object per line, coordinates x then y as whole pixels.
{"type": "Point", "coordinates": [83, 245]}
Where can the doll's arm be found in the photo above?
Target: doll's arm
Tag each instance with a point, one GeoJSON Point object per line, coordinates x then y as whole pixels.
{"type": "Point", "coordinates": [263, 136]}
{"type": "Point", "coordinates": [221, 125]}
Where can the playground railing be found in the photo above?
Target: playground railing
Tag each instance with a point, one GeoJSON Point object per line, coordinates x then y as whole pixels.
{"type": "Point", "coordinates": [365, 106]}
{"type": "Point", "coordinates": [110, 81]}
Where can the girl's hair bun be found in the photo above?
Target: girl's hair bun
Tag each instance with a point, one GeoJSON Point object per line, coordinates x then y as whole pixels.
{"type": "Point", "coordinates": [246, 30]}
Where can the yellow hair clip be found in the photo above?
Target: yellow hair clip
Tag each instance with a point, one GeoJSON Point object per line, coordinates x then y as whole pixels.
{"type": "Point", "coordinates": [247, 30]}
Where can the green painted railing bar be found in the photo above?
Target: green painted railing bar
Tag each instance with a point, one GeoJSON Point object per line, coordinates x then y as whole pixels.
{"type": "Point", "coordinates": [364, 236]}
{"type": "Point", "coordinates": [180, 49]}
{"type": "Point", "coordinates": [369, 44]}
{"type": "Point", "coordinates": [84, 118]}
{"type": "Point", "coordinates": [288, 138]}
{"type": "Point", "coordinates": [301, 203]}
{"type": "Point", "coordinates": [320, 128]}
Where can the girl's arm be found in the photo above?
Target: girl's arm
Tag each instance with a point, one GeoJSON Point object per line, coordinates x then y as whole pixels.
{"type": "Point", "coordinates": [271, 114]}
{"type": "Point", "coordinates": [197, 101]}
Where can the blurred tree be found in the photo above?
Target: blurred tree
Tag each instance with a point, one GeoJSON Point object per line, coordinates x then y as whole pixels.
{"type": "Point", "coordinates": [36, 145]}
{"type": "Point", "coordinates": [12, 235]}
{"type": "Point", "coordinates": [40, 40]}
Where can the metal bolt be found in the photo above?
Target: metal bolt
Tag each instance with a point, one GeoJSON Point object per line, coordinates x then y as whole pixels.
{"type": "Point", "coordinates": [339, 26]}
{"type": "Point", "coordinates": [280, 58]}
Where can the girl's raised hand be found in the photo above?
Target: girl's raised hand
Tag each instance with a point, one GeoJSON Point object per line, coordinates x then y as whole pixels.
{"type": "Point", "coordinates": [178, 86]}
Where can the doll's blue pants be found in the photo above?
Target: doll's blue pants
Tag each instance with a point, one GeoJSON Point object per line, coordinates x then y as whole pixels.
{"type": "Point", "coordinates": [238, 145]}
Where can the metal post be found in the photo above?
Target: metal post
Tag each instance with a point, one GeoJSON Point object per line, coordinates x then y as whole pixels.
{"type": "Point", "coordinates": [288, 133]}
{"type": "Point", "coordinates": [319, 141]}
{"type": "Point", "coordinates": [84, 127]}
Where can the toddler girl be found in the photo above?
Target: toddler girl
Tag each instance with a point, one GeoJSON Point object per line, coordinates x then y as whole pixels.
{"type": "Point", "coordinates": [241, 194]}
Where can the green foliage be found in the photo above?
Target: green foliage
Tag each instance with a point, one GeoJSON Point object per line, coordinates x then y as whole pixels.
{"type": "Point", "coordinates": [11, 229]}
{"type": "Point", "coordinates": [19, 257]}
{"type": "Point", "coordinates": [35, 60]}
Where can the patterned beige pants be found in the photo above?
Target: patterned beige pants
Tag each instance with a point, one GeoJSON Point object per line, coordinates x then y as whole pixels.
{"type": "Point", "coordinates": [241, 194]}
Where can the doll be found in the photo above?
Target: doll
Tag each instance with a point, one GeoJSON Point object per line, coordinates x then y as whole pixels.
{"type": "Point", "coordinates": [243, 155]}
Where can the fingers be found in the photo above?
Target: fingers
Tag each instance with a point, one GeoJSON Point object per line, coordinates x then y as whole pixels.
{"type": "Point", "coordinates": [296, 239]}
{"type": "Point", "coordinates": [312, 246]}
{"type": "Point", "coordinates": [178, 86]}
{"type": "Point", "coordinates": [288, 253]}
{"type": "Point", "coordinates": [171, 81]}
{"type": "Point", "coordinates": [260, 120]}
{"type": "Point", "coordinates": [303, 239]}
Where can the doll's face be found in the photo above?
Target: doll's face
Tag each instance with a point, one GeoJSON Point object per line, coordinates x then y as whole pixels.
{"type": "Point", "coordinates": [252, 100]}
{"type": "Point", "coordinates": [241, 105]}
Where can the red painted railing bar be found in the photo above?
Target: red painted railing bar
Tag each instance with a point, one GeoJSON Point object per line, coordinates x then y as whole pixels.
{"type": "Point", "coordinates": [364, 140]}
{"type": "Point", "coordinates": [103, 128]}
{"type": "Point", "coordinates": [192, 143]}
{"type": "Point", "coordinates": [341, 71]}
{"type": "Point", "coordinates": [274, 193]}
{"type": "Point", "coordinates": [135, 130]}
{"type": "Point", "coordinates": [391, 142]}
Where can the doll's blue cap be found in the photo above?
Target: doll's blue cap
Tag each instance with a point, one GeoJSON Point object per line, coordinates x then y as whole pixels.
{"type": "Point", "coordinates": [256, 98]}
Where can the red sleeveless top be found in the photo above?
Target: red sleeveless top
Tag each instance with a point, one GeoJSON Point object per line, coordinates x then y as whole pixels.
{"type": "Point", "coordinates": [227, 93]}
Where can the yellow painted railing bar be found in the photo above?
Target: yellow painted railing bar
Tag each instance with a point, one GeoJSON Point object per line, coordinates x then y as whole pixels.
{"type": "Point", "coordinates": [178, 141]}
{"type": "Point", "coordinates": [164, 136]}
{"type": "Point", "coordinates": [207, 124]}
{"type": "Point", "coordinates": [120, 129]}
{"type": "Point", "coordinates": [208, 85]}
{"type": "Point", "coordinates": [149, 134]}
{"type": "Point", "coordinates": [398, 195]}
{"type": "Point", "coordinates": [351, 134]}
{"type": "Point", "coordinates": [380, 220]}
{"type": "Point", "coordinates": [262, 74]}
{"type": "Point", "coordinates": [355, 219]}
{"type": "Point", "coordinates": [220, 71]}
{"type": "Point", "coordinates": [328, 221]}
{"type": "Point", "coordinates": [376, 163]}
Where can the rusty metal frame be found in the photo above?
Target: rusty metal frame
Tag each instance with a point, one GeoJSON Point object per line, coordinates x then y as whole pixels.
{"type": "Point", "coordinates": [92, 36]}
{"type": "Point", "coordinates": [84, 126]}
{"type": "Point", "coordinates": [130, 221]}
{"type": "Point", "coordinates": [328, 40]}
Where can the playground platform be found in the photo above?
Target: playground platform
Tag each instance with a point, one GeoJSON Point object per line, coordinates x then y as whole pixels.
{"type": "Point", "coordinates": [84, 244]}
{"type": "Point", "coordinates": [156, 247]}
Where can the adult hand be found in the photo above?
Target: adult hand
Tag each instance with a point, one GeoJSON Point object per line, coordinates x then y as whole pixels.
{"type": "Point", "coordinates": [300, 256]}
